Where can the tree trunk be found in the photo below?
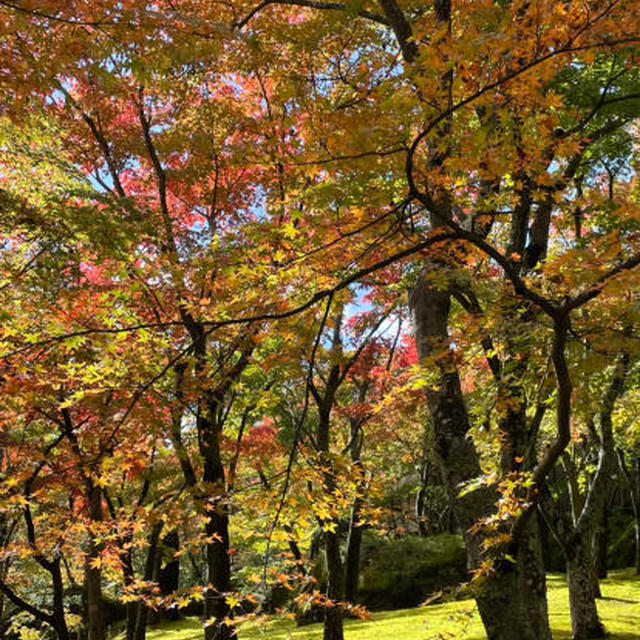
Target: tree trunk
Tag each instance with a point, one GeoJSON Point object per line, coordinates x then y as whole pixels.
{"type": "Point", "coordinates": [532, 581]}
{"type": "Point", "coordinates": [60, 623]}
{"type": "Point", "coordinates": [517, 443]}
{"type": "Point", "coordinates": [333, 615]}
{"type": "Point", "coordinates": [216, 610]}
{"type": "Point", "coordinates": [354, 544]}
{"type": "Point", "coordinates": [128, 575]}
{"type": "Point", "coordinates": [498, 593]}
{"type": "Point", "coordinates": [4, 540]}
{"type": "Point", "coordinates": [500, 607]}
{"type": "Point", "coordinates": [95, 614]}
{"type": "Point", "coordinates": [354, 541]}
{"type": "Point", "coordinates": [421, 495]}
{"type": "Point", "coordinates": [602, 543]}
{"type": "Point", "coordinates": [633, 481]}
{"type": "Point", "coordinates": [150, 575]}
{"type": "Point", "coordinates": [333, 611]}
{"type": "Point", "coordinates": [168, 576]}
{"type": "Point", "coordinates": [585, 623]}
{"type": "Point", "coordinates": [214, 501]}
{"type": "Point", "coordinates": [638, 545]}
{"type": "Point", "coordinates": [636, 503]}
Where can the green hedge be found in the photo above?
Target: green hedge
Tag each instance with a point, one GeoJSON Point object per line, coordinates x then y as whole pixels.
{"type": "Point", "coordinates": [405, 572]}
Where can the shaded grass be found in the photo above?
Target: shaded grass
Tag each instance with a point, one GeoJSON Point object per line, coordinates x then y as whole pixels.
{"type": "Point", "coordinates": [619, 609]}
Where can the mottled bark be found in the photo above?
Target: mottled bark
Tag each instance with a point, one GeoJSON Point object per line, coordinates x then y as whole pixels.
{"type": "Point", "coordinates": [518, 441]}
{"type": "Point", "coordinates": [576, 533]}
{"type": "Point", "coordinates": [498, 595]}
{"type": "Point", "coordinates": [585, 622]}
{"type": "Point", "coordinates": [532, 581]}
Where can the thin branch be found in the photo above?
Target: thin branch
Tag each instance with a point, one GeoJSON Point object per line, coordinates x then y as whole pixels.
{"type": "Point", "coordinates": [296, 437]}
{"type": "Point", "coordinates": [217, 324]}
{"type": "Point", "coordinates": [25, 606]}
{"type": "Point", "coordinates": [56, 18]}
{"type": "Point", "coordinates": [313, 4]}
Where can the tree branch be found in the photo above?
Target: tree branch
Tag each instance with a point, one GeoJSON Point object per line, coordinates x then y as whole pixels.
{"type": "Point", "coordinates": [313, 4]}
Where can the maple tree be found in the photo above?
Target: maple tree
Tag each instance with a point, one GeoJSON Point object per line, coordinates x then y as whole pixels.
{"type": "Point", "coordinates": [195, 195]}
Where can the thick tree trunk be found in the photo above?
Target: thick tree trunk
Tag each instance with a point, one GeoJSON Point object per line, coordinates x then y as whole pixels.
{"type": "Point", "coordinates": [169, 576]}
{"type": "Point", "coordinates": [581, 569]}
{"type": "Point", "coordinates": [532, 581]}
{"type": "Point", "coordinates": [333, 610]}
{"type": "Point", "coordinates": [128, 575]}
{"type": "Point", "coordinates": [500, 607]}
{"type": "Point", "coordinates": [633, 481]}
{"type": "Point", "coordinates": [517, 443]}
{"type": "Point", "coordinates": [585, 623]}
{"type": "Point", "coordinates": [214, 502]}
{"type": "Point", "coordinates": [132, 613]}
{"type": "Point", "coordinates": [216, 609]}
{"type": "Point", "coordinates": [498, 594]}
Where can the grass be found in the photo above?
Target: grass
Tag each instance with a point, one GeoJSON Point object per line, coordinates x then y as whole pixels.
{"type": "Point", "coordinates": [619, 609]}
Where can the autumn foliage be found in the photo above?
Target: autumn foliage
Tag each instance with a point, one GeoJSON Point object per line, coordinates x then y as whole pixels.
{"type": "Point", "coordinates": [265, 265]}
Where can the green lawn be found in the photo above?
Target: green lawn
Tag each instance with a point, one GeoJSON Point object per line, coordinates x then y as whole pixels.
{"type": "Point", "coordinates": [620, 610]}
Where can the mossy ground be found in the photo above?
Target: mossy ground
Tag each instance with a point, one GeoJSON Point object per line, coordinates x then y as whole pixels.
{"type": "Point", "coordinates": [619, 609]}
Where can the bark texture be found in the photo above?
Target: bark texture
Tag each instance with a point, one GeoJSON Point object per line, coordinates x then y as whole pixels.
{"type": "Point", "coordinates": [585, 622]}
{"type": "Point", "coordinates": [498, 594]}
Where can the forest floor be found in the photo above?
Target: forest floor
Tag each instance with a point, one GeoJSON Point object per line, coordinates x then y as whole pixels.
{"type": "Point", "coordinates": [619, 609]}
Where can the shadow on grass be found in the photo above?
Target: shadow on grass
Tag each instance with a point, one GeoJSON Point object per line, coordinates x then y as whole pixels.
{"type": "Point", "coordinates": [619, 609]}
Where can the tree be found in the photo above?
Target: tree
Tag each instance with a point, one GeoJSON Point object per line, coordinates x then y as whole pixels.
{"type": "Point", "coordinates": [218, 171]}
{"type": "Point", "coordinates": [577, 534]}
